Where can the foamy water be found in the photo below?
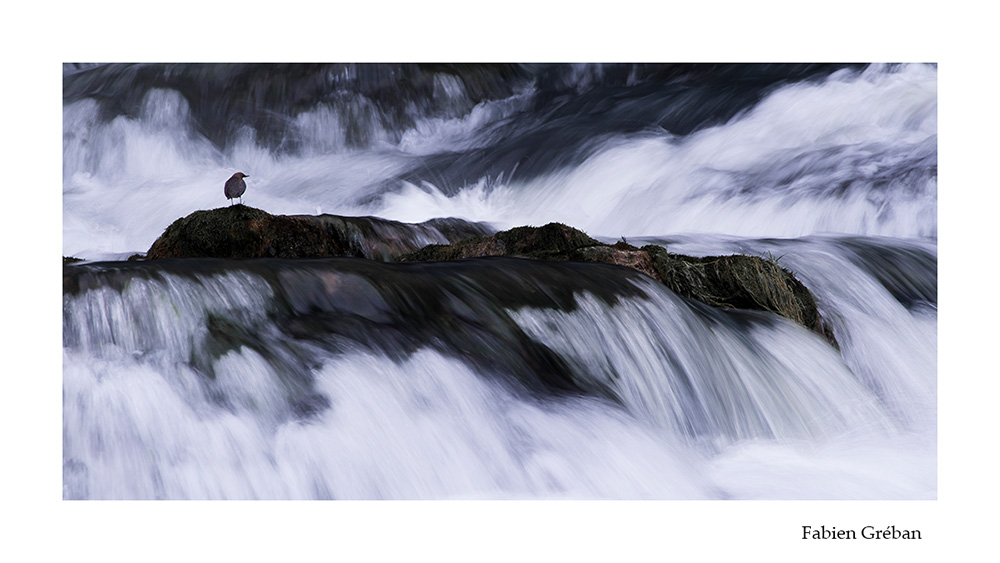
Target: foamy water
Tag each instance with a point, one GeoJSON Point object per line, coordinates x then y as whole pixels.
{"type": "Point", "coordinates": [319, 380]}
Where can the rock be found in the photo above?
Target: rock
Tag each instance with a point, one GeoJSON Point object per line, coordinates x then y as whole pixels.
{"type": "Point", "coordinates": [240, 231]}
{"type": "Point", "coordinates": [738, 281]}
{"type": "Point", "coordinates": [629, 257]}
{"type": "Point", "coordinates": [552, 241]}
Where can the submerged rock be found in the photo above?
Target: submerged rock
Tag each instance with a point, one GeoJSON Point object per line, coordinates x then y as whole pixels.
{"type": "Point", "coordinates": [239, 231]}
{"type": "Point", "coordinates": [737, 281]}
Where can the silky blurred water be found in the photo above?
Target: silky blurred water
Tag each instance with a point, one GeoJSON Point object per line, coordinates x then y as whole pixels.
{"type": "Point", "coordinates": [232, 383]}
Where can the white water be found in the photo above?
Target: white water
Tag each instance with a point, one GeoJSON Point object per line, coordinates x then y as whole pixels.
{"type": "Point", "coordinates": [772, 171]}
{"type": "Point", "coordinates": [846, 129]}
{"type": "Point", "coordinates": [688, 376]}
{"type": "Point", "coordinates": [891, 350]}
{"type": "Point", "coordinates": [773, 412]}
{"type": "Point", "coordinates": [427, 428]}
{"type": "Point", "coordinates": [709, 409]}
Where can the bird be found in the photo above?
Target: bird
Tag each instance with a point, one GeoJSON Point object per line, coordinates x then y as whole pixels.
{"type": "Point", "coordinates": [235, 187]}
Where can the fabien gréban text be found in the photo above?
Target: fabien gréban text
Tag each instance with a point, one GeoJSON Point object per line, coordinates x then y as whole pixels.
{"type": "Point", "coordinates": [866, 533]}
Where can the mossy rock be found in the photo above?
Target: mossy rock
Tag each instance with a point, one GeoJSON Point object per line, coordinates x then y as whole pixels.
{"type": "Point", "coordinates": [737, 281]}
{"type": "Point", "coordinates": [547, 241]}
{"type": "Point", "coordinates": [613, 254]}
{"type": "Point", "coordinates": [550, 242]}
{"type": "Point", "coordinates": [239, 231]}
{"type": "Point", "coordinates": [473, 247]}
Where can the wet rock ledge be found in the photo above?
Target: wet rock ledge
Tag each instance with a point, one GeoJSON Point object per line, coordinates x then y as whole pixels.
{"type": "Point", "coordinates": [736, 281]}
{"type": "Point", "coordinates": [240, 231]}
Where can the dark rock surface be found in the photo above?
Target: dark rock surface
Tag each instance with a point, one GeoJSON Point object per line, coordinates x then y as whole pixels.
{"type": "Point", "coordinates": [738, 281]}
{"type": "Point", "coordinates": [245, 232]}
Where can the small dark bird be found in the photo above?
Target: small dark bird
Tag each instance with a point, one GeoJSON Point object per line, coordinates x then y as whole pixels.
{"type": "Point", "coordinates": [235, 187]}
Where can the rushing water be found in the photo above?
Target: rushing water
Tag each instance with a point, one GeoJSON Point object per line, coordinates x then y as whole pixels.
{"type": "Point", "coordinates": [502, 378]}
